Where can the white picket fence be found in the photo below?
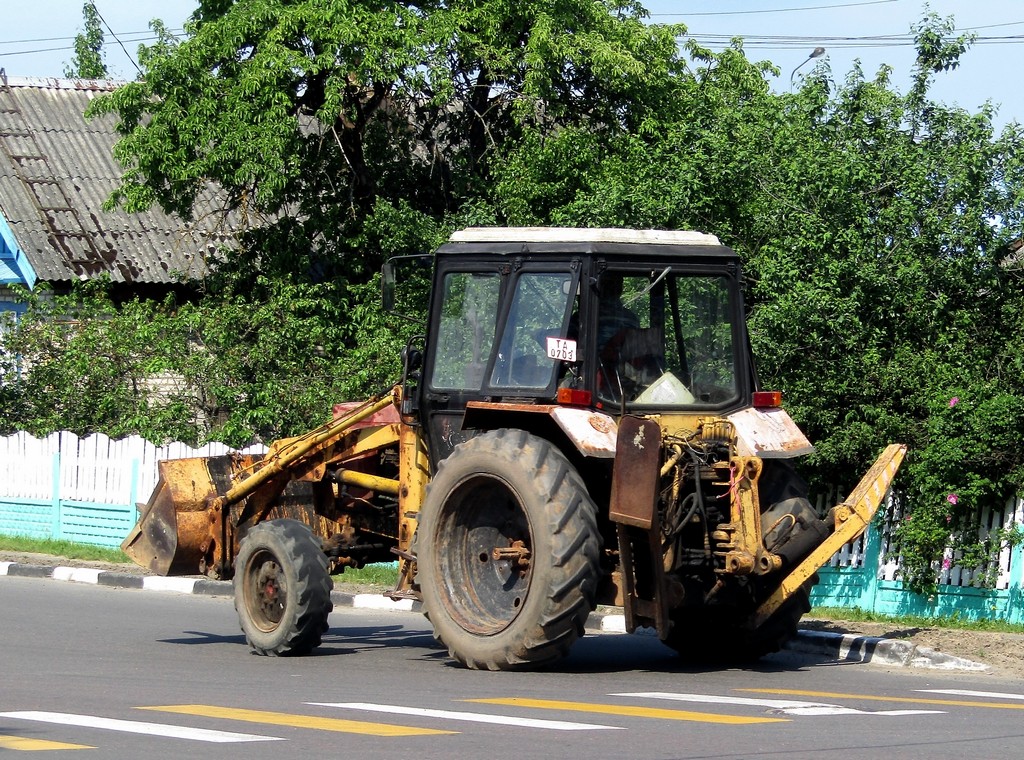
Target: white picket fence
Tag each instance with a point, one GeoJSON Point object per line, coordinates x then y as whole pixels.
{"type": "Point", "coordinates": [951, 573]}
{"type": "Point", "coordinates": [82, 489]}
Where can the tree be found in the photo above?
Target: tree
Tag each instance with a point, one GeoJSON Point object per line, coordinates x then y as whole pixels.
{"type": "Point", "coordinates": [330, 114]}
{"type": "Point", "coordinates": [874, 227]}
{"type": "Point", "coordinates": [346, 135]}
{"type": "Point", "coordinates": [88, 62]}
{"type": "Point", "coordinates": [235, 368]}
{"type": "Point", "coordinates": [86, 364]}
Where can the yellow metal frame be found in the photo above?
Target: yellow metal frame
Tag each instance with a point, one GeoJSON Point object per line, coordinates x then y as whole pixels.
{"type": "Point", "coordinates": [852, 517]}
{"type": "Point", "coordinates": [291, 450]}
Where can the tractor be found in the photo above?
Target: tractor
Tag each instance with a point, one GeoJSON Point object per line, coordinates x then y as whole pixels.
{"type": "Point", "coordinates": [580, 424]}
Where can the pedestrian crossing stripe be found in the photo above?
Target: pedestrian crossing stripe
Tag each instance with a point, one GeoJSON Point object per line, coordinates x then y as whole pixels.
{"type": "Point", "coordinates": [502, 720]}
{"type": "Point", "coordinates": [297, 721]}
{"type": "Point", "coordinates": [879, 698]}
{"type": "Point", "coordinates": [628, 711]}
{"type": "Point", "coordinates": [33, 745]}
{"type": "Point", "coordinates": [970, 693]}
{"type": "Point", "coordinates": [136, 727]}
{"type": "Point", "coordinates": [787, 706]}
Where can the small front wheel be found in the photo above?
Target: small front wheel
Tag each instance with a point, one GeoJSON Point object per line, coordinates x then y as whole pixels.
{"type": "Point", "coordinates": [282, 589]}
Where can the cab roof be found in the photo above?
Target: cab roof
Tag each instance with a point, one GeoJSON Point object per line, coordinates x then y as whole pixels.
{"type": "Point", "coordinates": [585, 240]}
{"type": "Point", "coordinates": [581, 234]}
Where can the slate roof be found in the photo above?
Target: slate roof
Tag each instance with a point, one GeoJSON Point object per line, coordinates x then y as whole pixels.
{"type": "Point", "coordinates": [57, 169]}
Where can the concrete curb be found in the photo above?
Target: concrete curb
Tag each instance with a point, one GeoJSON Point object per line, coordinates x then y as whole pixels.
{"type": "Point", "coordinates": [837, 646]}
{"type": "Point", "coordinates": [878, 651]}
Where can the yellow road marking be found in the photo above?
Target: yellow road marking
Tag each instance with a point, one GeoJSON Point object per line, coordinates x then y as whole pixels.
{"type": "Point", "coordinates": [35, 745]}
{"type": "Point", "coordinates": [873, 698]}
{"type": "Point", "coordinates": [628, 710]}
{"type": "Point", "coordinates": [297, 721]}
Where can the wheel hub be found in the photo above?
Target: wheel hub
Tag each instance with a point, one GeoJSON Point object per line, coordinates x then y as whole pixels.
{"type": "Point", "coordinates": [270, 595]}
{"type": "Point", "coordinates": [517, 555]}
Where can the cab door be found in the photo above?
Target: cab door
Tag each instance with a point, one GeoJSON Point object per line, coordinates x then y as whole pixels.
{"type": "Point", "coordinates": [494, 333]}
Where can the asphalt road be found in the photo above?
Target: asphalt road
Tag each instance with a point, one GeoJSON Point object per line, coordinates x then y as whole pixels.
{"type": "Point", "coordinates": [137, 673]}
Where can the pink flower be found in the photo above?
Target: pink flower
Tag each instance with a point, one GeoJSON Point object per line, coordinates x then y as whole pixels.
{"type": "Point", "coordinates": [952, 498]}
{"type": "Point", "coordinates": [949, 518]}
{"type": "Point", "coordinates": [947, 563]}
{"type": "Point", "coordinates": [908, 518]}
{"type": "Point", "coordinates": [954, 401]}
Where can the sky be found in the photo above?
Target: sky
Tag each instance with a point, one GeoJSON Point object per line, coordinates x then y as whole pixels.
{"type": "Point", "coordinates": [36, 38]}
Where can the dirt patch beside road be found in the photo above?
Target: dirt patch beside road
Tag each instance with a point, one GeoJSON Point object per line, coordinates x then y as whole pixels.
{"type": "Point", "coordinates": [1002, 652]}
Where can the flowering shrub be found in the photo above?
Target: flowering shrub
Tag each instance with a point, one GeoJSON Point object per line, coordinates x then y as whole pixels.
{"type": "Point", "coordinates": [965, 462]}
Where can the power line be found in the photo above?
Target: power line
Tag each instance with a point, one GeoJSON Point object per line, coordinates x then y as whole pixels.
{"type": "Point", "coordinates": [114, 35]}
{"type": "Point", "coordinates": [878, 41]}
{"type": "Point", "coordinates": [755, 41]}
{"type": "Point", "coordinates": [63, 39]}
{"type": "Point", "coordinates": [10, 54]}
{"type": "Point", "coordinates": [778, 10]}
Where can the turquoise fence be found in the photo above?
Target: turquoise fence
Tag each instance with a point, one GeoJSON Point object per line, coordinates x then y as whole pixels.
{"type": "Point", "coordinates": [83, 490]}
{"type": "Point", "coordinates": [864, 575]}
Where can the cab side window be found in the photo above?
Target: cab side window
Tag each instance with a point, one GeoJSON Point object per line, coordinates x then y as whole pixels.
{"type": "Point", "coordinates": [465, 335]}
{"type": "Point", "coordinates": [538, 311]}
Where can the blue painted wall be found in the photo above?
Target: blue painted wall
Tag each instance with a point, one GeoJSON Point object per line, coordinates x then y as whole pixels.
{"type": "Point", "coordinates": [14, 265]}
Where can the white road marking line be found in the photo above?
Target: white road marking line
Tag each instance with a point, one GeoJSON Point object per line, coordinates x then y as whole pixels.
{"type": "Point", "coordinates": [787, 706]}
{"type": "Point", "coordinates": [968, 693]}
{"type": "Point", "coordinates": [380, 602]}
{"type": "Point", "coordinates": [504, 720]}
{"type": "Point", "coordinates": [138, 727]}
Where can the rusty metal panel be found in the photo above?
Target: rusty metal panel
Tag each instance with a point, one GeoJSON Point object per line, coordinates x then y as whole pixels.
{"type": "Point", "coordinates": [769, 434]}
{"type": "Point", "coordinates": [176, 528]}
{"type": "Point", "coordinates": [635, 477]}
{"type": "Point", "coordinates": [387, 416]}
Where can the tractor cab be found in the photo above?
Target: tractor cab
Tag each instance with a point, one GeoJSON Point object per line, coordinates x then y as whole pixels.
{"type": "Point", "coordinates": [621, 321]}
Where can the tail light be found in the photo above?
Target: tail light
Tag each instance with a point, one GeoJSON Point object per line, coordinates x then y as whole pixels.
{"type": "Point", "coordinates": [574, 397]}
{"type": "Point", "coordinates": [767, 399]}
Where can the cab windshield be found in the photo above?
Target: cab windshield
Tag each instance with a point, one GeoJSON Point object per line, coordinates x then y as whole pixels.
{"type": "Point", "coordinates": [665, 339]}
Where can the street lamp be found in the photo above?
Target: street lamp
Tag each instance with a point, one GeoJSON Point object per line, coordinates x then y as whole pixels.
{"type": "Point", "coordinates": [816, 53]}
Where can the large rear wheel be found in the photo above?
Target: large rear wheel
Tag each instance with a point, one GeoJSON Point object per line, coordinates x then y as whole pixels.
{"type": "Point", "coordinates": [507, 552]}
{"type": "Point", "coordinates": [717, 636]}
{"type": "Point", "coordinates": [282, 588]}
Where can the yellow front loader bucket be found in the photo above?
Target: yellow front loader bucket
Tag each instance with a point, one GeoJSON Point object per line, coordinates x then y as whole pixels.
{"type": "Point", "coordinates": [183, 529]}
{"type": "Point", "coordinates": [178, 529]}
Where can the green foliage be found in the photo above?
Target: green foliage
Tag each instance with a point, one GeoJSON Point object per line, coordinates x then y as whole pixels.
{"type": "Point", "coordinates": [272, 363]}
{"type": "Point", "coordinates": [970, 460]}
{"type": "Point", "coordinates": [87, 366]}
{"type": "Point", "coordinates": [231, 367]}
{"type": "Point", "coordinates": [888, 256]}
{"type": "Point", "coordinates": [87, 62]}
{"type": "Point", "coordinates": [319, 111]}
{"type": "Point", "coordinates": [874, 226]}
{"type": "Point", "coordinates": [383, 576]}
